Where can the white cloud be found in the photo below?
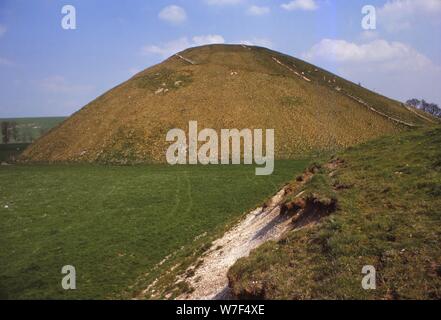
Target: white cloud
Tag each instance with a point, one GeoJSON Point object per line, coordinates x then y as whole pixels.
{"type": "Point", "coordinates": [208, 39]}
{"type": "Point", "coordinates": [167, 49]}
{"type": "Point", "coordinates": [2, 30]}
{"type": "Point", "coordinates": [173, 14]}
{"type": "Point", "coordinates": [397, 15]}
{"type": "Point", "coordinates": [368, 35]}
{"type": "Point", "coordinates": [308, 5]}
{"type": "Point", "coordinates": [172, 47]}
{"type": "Point", "coordinates": [58, 84]}
{"type": "Point", "coordinates": [258, 11]}
{"type": "Point", "coordinates": [223, 2]}
{"type": "Point", "coordinates": [261, 42]}
{"type": "Point", "coordinates": [394, 69]}
{"type": "Point", "coordinates": [390, 55]}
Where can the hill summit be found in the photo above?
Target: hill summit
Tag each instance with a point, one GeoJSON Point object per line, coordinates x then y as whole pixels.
{"type": "Point", "coordinates": [224, 86]}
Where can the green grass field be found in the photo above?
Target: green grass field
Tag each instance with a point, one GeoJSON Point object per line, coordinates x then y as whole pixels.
{"type": "Point", "coordinates": [114, 224]}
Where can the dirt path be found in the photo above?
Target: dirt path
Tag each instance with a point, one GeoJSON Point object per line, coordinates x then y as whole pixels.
{"type": "Point", "coordinates": [185, 59]}
{"type": "Point", "coordinates": [419, 115]}
{"type": "Point", "coordinates": [209, 279]}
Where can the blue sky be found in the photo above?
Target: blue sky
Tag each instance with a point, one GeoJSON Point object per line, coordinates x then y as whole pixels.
{"type": "Point", "coordinates": [48, 71]}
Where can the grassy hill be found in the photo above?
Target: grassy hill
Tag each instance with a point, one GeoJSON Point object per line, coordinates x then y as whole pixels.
{"type": "Point", "coordinates": [389, 215]}
{"type": "Point", "coordinates": [224, 86]}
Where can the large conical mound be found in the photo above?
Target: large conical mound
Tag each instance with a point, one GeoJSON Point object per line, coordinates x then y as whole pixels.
{"type": "Point", "coordinates": [224, 86]}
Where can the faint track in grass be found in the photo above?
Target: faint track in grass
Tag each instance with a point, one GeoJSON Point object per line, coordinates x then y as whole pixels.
{"type": "Point", "coordinates": [189, 191]}
{"type": "Point", "coordinates": [178, 199]}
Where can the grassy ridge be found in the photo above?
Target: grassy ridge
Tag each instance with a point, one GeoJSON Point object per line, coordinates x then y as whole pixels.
{"type": "Point", "coordinates": [389, 216]}
{"type": "Point", "coordinates": [114, 224]}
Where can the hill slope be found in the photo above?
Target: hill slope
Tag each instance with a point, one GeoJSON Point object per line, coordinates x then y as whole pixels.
{"type": "Point", "coordinates": [223, 86]}
{"type": "Point", "coordinates": [388, 215]}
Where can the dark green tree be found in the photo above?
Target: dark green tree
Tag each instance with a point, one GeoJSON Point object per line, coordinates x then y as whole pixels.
{"type": "Point", "coordinates": [6, 133]}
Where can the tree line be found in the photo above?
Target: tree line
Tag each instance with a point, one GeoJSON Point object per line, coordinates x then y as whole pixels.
{"type": "Point", "coordinates": [12, 132]}
{"type": "Point", "coordinates": [431, 108]}
{"type": "Point", "coordinates": [9, 131]}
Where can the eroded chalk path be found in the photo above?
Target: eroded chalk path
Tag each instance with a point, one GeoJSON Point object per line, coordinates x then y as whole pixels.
{"type": "Point", "coordinates": [209, 278]}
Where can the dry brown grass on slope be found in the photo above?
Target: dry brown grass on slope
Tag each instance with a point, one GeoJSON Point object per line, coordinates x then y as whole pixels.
{"type": "Point", "coordinates": [227, 87]}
